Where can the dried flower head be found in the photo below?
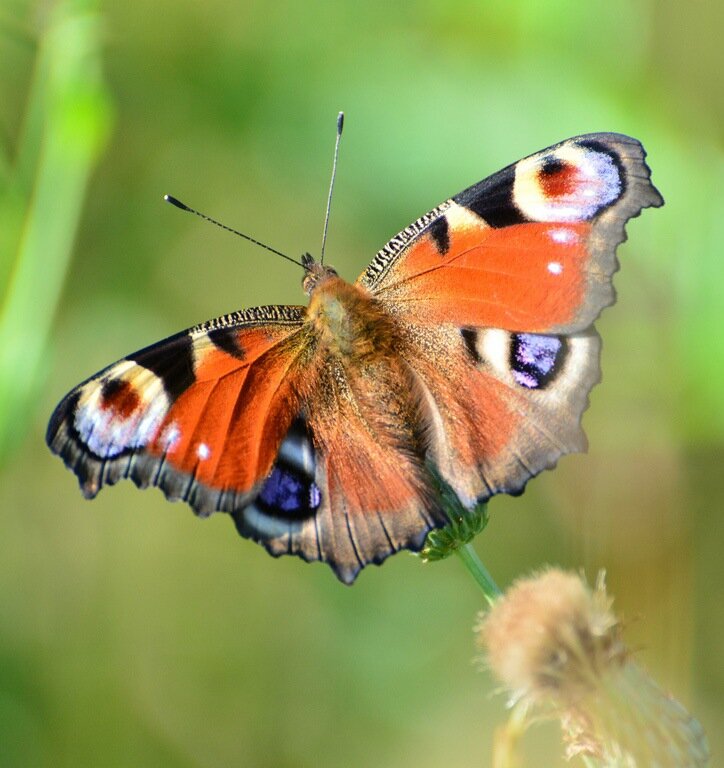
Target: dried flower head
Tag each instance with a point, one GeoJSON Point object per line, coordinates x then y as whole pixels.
{"type": "Point", "coordinates": [556, 646]}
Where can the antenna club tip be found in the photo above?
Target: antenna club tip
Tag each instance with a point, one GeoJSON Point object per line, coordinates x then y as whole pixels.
{"type": "Point", "coordinates": [340, 122]}
{"type": "Point", "coordinates": [171, 199]}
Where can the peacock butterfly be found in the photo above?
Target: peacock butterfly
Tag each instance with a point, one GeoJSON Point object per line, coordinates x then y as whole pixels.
{"type": "Point", "coordinates": [466, 348]}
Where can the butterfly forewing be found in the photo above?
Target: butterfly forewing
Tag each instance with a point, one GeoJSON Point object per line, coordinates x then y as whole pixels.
{"type": "Point", "coordinates": [199, 415]}
{"type": "Point", "coordinates": [530, 249]}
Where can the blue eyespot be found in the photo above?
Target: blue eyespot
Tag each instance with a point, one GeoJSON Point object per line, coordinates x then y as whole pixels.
{"type": "Point", "coordinates": [535, 359]}
{"type": "Point", "coordinates": [288, 493]}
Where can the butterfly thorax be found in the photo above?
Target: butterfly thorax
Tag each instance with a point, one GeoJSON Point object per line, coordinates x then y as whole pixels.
{"type": "Point", "coordinates": [348, 321]}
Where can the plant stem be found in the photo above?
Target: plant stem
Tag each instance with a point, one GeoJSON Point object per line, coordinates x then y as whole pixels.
{"type": "Point", "coordinates": [41, 199]}
{"type": "Point", "coordinates": [479, 572]}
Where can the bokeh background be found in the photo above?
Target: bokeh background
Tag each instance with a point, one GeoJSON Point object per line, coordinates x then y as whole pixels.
{"type": "Point", "coordinates": [131, 633]}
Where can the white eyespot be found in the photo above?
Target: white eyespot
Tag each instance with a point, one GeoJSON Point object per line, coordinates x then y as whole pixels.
{"type": "Point", "coordinates": [594, 183]}
{"type": "Point", "coordinates": [108, 432]}
{"type": "Point", "coordinates": [555, 267]}
{"type": "Point", "coordinates": [203, 451]}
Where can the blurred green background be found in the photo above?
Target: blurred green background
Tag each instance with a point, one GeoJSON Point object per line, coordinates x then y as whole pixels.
{"type": "Point", "coordinates": [132, 633]}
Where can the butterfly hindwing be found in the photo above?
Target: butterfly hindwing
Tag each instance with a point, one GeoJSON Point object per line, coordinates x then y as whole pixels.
{"type": "Point", "coordinates": [360, 441]}
{"type": "Point", "coordinates": [502, 406]}
{"type": "Point", "coordinates": [380, 497]}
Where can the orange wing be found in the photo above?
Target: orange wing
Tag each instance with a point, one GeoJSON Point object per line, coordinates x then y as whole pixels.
{"type": "Point", "coordinates": [495, 291]}
{"type": "Point", "coordinates": [530, 249]}
{"type": "Point", "coordinates": [200, 415]}
{"type": "Point", "coordinates": [311, 453]}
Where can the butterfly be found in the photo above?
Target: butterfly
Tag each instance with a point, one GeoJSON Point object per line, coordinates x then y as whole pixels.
{"type": "Point", "coordinates": [465, 350]}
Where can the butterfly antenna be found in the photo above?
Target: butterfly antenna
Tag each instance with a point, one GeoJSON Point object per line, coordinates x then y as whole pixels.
{"type": "Point", "coordinates": [340, 125]}
{"type": "Point", "coordinates": [184, 207]}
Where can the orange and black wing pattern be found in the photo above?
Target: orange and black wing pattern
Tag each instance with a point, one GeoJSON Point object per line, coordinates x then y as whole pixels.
{"type": "Point", "coordinates": [530, 249]}
{"type": "Point", "coordinates": [200, 415]}
{"type": "Point", "coordinates": [311, 454]}
{"type": "Point", "coordinates": [466, 350]}
{"type": "Point", "coordinates": [496, 291]}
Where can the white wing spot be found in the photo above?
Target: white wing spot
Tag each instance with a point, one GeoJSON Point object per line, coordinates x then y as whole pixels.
{"type": "Point", "coordinates": [563, 236]}
{"type": "Point", "coordinates": [494, 347]}
{"type": "Point", "coordinates": [555, 267]}
{"type": "Point", "coordinates": [171, 436]}
{"type": "Point", "coordinates": [203, 451]}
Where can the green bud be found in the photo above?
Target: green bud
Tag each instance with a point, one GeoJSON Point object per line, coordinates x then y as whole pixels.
{"type": "Point", "coordinates": [465, 524]}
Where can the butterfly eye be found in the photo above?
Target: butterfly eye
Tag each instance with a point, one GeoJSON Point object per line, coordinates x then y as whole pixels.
{"type": "Point", "coordinates": [573, 183]}
{"type": "Point", "coordinates": [316, 273]}
{"type": "Point", "coordinates": [308, 282]}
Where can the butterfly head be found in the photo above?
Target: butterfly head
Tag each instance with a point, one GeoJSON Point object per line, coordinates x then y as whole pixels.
{"type": "Point", "coordinates": [314, 273]}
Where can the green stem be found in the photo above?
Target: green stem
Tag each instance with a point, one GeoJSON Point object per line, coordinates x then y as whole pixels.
{"type": "Point", "coordinates": [479, 572]}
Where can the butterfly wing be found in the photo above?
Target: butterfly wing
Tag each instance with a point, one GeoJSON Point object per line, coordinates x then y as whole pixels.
{"type": "Point", "coordinates": [360, 433]}
{"type": "Point", "coordinates": [496, 290]}
{"type": "Point", "coordinates": [530, 249]}
{"type": "Point", "coordinates": [501, 406]}
{"type": "Point", "coordinates": [246, 415]}
{"type": "Point", "coordinates": [199, 415]}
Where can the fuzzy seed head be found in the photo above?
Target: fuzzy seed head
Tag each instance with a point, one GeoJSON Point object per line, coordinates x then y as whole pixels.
{"type": "Point", "coordinates": [556, 646]}
{"type": "Point", "coordinates": [548, 637]}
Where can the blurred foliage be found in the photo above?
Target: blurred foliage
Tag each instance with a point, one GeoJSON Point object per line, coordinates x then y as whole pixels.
{"type": "Point", "coordinates": [44, 181]}
{"type": "Point", "coordinates": [133, 634]}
